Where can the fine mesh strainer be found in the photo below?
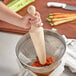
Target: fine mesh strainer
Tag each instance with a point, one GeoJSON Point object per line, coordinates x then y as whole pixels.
{"type": "Point", "coordinates": [55, 46]}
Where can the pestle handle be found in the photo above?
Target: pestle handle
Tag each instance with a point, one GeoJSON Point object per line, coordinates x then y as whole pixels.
{"type": "Point", "coordinates": [31, 10]}
{"type": "Point", "coordinates": [37, 36]}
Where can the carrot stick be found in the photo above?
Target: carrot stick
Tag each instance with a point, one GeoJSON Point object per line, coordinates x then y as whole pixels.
{"type": "Point", "coordinates": [50, 17]}
{"type": "Point", "coordinates": [56, 14]}
{"type": "Point", "coordinates": [61, 13]}
{"type": "Point", "coordinates": [64, 21]}
{"type": "Point", "coordinates": [59, 19]}
{"type": "Point", "coordinates": [66, 15]}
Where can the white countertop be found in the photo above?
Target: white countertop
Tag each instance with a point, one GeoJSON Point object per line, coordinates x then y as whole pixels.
{"type": "Point", "coordinates": [8, 43]}
{"type": "Point", "coordinates": [8, 59]}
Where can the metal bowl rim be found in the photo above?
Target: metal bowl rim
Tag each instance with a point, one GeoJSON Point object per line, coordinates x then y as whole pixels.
{"type": "Point", "coordinates": [46, 66]}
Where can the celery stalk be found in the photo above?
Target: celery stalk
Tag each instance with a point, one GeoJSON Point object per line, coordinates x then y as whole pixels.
{"type": "Point", "coordinates": [12, 3]}
{"type": "Point", "coordinates": [17, 5]}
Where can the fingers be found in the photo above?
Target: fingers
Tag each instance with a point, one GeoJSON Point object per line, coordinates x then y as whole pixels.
{"type": "Point", "coordinates": [34, 20]}
{"type": "Point", "coordinates": [27, 28]}
{"type": "Point", "coordinates": [37, 20]}
{"type": "Point", "coordinates": [37, 14]}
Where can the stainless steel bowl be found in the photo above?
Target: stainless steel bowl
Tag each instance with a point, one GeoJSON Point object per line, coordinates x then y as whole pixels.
{"type": "Point", "coordinates": [55, 46]}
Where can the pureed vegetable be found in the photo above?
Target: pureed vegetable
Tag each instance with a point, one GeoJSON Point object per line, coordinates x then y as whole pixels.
{"type": "Point", "coordinates": [49, 61]}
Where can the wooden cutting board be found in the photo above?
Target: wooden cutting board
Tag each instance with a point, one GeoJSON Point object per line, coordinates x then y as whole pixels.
{"type": "Point", "coordinates": [68, 29]}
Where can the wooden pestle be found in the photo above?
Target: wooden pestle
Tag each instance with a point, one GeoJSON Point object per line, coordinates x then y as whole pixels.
{"type": "Point", "coordinates": [37, 36]}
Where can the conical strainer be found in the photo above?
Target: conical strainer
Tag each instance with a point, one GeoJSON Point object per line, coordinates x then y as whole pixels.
{"type": "Point", "coordinates": [55, 46]}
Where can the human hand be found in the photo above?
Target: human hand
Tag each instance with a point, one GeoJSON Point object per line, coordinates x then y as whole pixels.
{"type": "Point", "coordinates": [25, 22]}
{"type": "Point", "coordinates": [32, 18]}
{"type": "Point", "coordinates": [37, 20]}
{"type": "Point", "coordinates": [28, 20]}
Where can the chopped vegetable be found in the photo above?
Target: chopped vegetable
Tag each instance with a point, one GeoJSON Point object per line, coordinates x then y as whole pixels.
{"type": "Point", "coordinates": [17, 5]}
{"type": "Point", "coordinates": [59, 18]}
{"type": "Point", "coordinates": [63, 21]}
